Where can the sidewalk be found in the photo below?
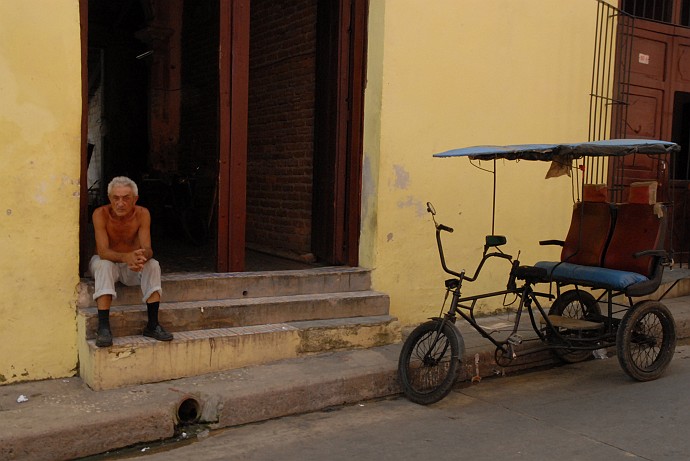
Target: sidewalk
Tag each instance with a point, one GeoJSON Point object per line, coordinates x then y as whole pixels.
{"type": "Point", "coordinates": [64, 419]}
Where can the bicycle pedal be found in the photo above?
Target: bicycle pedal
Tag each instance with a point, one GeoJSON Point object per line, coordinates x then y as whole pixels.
{"type": "Point", "coordinates": [515, 339]}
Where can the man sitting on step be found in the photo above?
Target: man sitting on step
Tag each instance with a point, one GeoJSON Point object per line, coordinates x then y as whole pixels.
{"type": "Point", "coordinates": [123, 246]}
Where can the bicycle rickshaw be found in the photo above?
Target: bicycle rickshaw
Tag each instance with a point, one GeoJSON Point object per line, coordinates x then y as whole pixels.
{"type": "Point", "coordinates": [612, 261]}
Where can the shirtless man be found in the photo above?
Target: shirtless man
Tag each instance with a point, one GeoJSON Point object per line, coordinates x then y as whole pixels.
{"type": "Point", "coordinates": [123, 246]}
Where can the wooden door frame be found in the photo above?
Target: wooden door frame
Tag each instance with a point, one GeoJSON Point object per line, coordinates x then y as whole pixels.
{"type": "Point", "coordinates": [356, 85]}
{"type": "Point", "coordinates": [341, 73]}
{"type": "Point", "coordinates": [233, 56]}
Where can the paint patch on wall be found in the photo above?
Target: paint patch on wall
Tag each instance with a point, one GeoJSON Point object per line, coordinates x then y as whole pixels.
{"type": "Point", "coordinates": [411, 202]}
{"type": "Point", "coordinates": [402, 177]}
{"type": "Point", "coordinates": [40, 196]}
{"type": "Point", "coordinates": [368, 182]}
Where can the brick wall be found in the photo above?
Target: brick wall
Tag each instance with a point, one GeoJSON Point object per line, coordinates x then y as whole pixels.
{"type": "Point", "coordinates": [281, 125]}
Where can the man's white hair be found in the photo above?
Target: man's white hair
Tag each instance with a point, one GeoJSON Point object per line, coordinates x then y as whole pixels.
{"type": "Point", "coordinates": [123, 181]}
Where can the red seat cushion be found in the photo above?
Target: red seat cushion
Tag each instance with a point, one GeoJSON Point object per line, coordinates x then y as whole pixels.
{"type": "Point", "coordinates": [589, 233]}
{"type": "Point", "coordinates": [638, 227]}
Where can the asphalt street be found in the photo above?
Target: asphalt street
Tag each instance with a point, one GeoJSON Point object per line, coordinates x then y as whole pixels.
{"type": "Point", "coordinates": [586, 411]}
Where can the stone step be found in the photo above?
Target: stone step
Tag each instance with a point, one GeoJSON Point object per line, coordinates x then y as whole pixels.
{"type": "Point", "coordinates": [241, 285]}
{"type": "Point", "coordinates": [228, 313]}
{"type": "Point", "coordinates": [225, 321]}
{"type": "Point", "coordinates": [136, 359]}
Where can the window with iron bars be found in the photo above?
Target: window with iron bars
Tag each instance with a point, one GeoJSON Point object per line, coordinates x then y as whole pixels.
{"type": "Point", "coordinates": [669, 11]}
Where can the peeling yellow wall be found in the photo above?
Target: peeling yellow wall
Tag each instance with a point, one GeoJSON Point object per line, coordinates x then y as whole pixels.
{"type": "Point", "coordinates": [40, 116]}
{"type": "Point", "coordinates": [441, 74]}
{"type": "Point", "coordinates": [444, 74]}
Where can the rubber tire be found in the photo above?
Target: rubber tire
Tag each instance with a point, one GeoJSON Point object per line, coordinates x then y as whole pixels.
{"type": "Point", "coordinates": [439, 379]}
{"type": "Point", "coordinates": [645, 362]}
{"type": "Point", "coordinates": [575, 304]}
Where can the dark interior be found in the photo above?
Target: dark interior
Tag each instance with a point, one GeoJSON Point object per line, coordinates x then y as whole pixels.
{"type": "Point", "coordinates": [153, 116]}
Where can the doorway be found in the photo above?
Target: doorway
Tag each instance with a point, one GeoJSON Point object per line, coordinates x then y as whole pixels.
{"type": "Point", "coordinates": [245, 164]}
{"type": "Point", "coordinates": [681, 174]}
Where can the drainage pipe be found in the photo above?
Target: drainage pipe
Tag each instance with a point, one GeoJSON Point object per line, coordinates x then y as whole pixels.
{"type": "Point", "coordinates": [188, 410]}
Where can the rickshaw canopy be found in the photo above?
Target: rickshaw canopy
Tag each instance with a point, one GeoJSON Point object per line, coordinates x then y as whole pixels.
{"type": "Point", "coordinates": [559, 152]}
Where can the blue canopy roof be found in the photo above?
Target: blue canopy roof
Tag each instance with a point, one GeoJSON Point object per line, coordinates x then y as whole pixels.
{"type": "Point", "coordinates": [549, 152]}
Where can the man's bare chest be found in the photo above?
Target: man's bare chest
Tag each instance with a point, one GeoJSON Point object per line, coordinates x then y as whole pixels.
{"type": "Point", "coordinates": [122, 231]}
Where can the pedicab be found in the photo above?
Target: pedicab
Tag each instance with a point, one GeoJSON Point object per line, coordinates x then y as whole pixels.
{"type": "Point", "coordinates": [602, 291]}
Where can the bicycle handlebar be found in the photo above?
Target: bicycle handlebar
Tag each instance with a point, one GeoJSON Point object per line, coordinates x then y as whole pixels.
{"type": "Point", "coordinates": [461, 275]}
{"type": "Point", "coordinates": [439, 228]}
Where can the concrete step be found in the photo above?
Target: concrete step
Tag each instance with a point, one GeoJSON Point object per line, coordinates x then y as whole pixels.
{"type": "Point", "coordinates": [137, 360]}
{"type": "Point", "coordinates": [228, 313]}
{"type": "Point", "coordinates": [241, 285]}
{"type": "Point", "coordinates": [226, 321]}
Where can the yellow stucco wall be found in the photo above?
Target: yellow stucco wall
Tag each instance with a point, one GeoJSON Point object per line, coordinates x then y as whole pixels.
{"type": "Point", "coordinates": [447, 74]}
{"type": "Point", "coordinates": [40, 116]}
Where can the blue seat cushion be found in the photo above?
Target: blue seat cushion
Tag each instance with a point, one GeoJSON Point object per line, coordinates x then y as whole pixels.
{"type": "Point", "coordinates": [590, 275]}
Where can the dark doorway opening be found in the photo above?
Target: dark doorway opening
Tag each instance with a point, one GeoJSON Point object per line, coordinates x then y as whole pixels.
{"type": "Point", "coordinates": [681, 173]}
{"type": "Point", "coordinates": [153, 97]}
{"type": "Point", "coordinates": [163, 88]}
{"type": "Point", "coordinates": [681, 134]}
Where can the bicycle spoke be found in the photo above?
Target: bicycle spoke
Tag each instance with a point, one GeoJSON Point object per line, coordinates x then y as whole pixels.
{"type": "Point", "coordinates": [646, 343]}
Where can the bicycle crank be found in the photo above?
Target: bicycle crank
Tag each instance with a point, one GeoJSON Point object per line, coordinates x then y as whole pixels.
{"type": "Point", "coordinates": [504, 355]}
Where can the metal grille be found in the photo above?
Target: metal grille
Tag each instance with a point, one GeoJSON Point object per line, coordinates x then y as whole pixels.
{"type": "Point", "coordinates": [656, 10]}
{"type": "Point", "coordinates": [608, 104]}
{"type": "Point", "coordinates": [685, 13]}
{"type": "Point", "coordinates": [667, 11]}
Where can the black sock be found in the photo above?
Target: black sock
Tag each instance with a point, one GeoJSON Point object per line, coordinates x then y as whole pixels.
{"type": "Point", "coordinates": [104, 319]}
{"type": "Point", "coordinates": [152, 310]}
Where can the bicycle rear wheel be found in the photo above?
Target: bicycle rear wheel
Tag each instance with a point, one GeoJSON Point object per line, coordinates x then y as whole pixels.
{"type": "Point", "coordinates": [429, 360]}
{"type": "Point", "coordinates": [579, 305]}
{"type": "Point", "coordinates": [646, 340]}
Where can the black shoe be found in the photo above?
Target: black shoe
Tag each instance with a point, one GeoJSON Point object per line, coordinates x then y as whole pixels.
{"type": "Point", "coordinates": [104, 338]}
{"type": "Point", "coordinates": [158, 333]}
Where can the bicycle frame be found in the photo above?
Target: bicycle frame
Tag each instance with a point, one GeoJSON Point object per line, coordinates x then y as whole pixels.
{"type": "Point", "coordinates": [529, 302]}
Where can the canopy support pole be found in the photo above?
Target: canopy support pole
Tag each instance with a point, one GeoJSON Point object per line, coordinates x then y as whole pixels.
{"type": "Point", "coordinates": [493, 208]}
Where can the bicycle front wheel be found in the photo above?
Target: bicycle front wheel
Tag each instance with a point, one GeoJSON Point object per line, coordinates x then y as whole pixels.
{"type": "Point", "coordinates": [429, 360]}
